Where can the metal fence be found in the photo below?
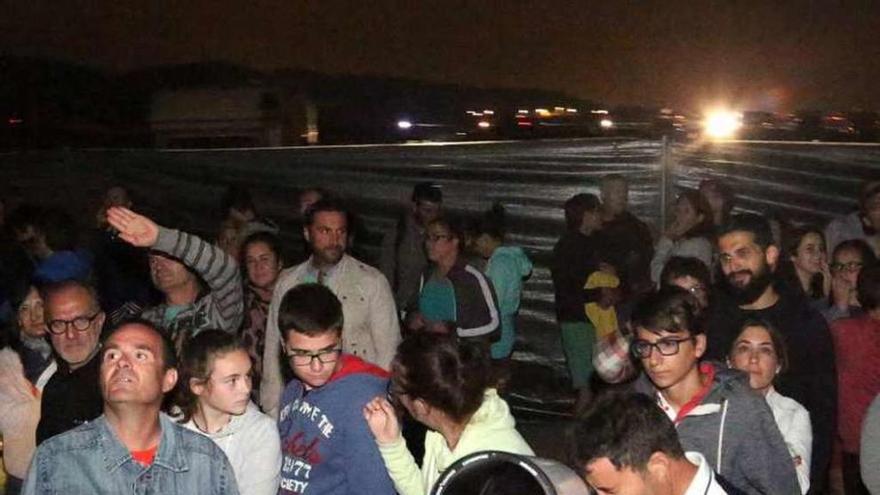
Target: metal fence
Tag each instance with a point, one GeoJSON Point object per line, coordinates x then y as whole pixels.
{"type": "Point", "coordinates": [532, 179]}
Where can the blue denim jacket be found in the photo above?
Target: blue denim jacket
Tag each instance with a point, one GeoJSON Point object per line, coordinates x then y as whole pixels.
{"type": "Point", "coordinates": [90, 459]}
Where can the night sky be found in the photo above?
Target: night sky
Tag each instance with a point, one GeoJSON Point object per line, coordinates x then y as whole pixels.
{"type": "Point", "coordinates": [772, 55]}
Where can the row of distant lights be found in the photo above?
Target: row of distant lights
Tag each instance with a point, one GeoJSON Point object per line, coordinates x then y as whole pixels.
{"type": "Point", "coordinates": [540, 112]}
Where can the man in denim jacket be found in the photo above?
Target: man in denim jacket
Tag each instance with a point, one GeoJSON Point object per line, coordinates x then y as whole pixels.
{"type": "Point", "coordinates": [132, 447]}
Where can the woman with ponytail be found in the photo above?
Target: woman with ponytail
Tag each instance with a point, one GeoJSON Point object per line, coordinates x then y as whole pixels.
{"type": "Point", "coordinates": [445, 384]}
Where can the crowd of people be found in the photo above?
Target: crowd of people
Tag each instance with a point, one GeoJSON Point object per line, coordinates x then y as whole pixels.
{"type": "Point", "coordinates": [728, 354]}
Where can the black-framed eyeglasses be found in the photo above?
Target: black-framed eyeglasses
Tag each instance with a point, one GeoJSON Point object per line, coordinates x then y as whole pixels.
{"type": "Point", "coordinates": [300, 357]}
{"type": "Point", "coordinates": [642, 349]}
{"type": "Point", "coordinates": [80, 324]}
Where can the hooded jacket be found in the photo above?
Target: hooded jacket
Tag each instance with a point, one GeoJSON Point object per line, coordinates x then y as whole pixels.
{"type": "Point", "coordinates": [492, 427]}
{"type": "Point", "coordinates": [326, 445]}
{"type": "Point", "coordinates": [734, 429]}
{"type": "Point", "coordinates": [507, 267]}
{"type": "Point", "coordinates": [251, 443]}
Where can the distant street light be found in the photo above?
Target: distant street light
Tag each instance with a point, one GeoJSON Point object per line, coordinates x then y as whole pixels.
{"type": "Point", "coordinates": [483, 124]}
{"type": "Point", "coordinates": [404, 124]}
{"type": "Point", "coordinates": [606, 123]}
{"type": "Point", "coordinates": [722, 124]}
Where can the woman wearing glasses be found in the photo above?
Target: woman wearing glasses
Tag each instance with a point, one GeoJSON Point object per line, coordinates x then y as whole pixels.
{"type": "Point", "coordinates": [759, 350]}
{"type": "Point", "coordinates": [713, 408]}
{"type": "Point", "coordinates": [214, 400]}
{"type": "Point", "coordinates": [846, 263]}
{"type": "Point", "coordinates": [445, 384]}
{"type": "Point", "coordinates": [453, 290]}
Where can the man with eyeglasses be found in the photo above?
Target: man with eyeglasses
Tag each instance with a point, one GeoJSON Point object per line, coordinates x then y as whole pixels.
{"type": "Point", "coordinates": [748, 260]}
{"type": "Point", "coordinates": [74, 320]}
{"type": "Point", "coordinates": [713, 409]}
{"type": "Point", "coordinates": [326, 444]}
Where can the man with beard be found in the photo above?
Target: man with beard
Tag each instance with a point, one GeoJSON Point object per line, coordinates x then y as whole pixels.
{"type": "Point", "coordinates": [370, 331]}
{"type": "Point", "coordinates": [403, 260]}
{"type": "Point", "coordinates": [748, 290]}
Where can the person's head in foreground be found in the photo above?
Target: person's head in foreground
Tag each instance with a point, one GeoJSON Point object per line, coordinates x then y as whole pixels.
{"type": "Point", "coordinates": [215, 376]}
{"type": "Point", "coordinates": [669, 339]}
{"type": "Point", "coordinates": [760, 351]}
{"type": "Point", "coordinates": [625, 445]}
{"type": "Point", "coordinates": [439, 379]}
{"type": "Point", "coordinates": [138, 367]}
{"type": "Point", "coordinates": [310, 319]}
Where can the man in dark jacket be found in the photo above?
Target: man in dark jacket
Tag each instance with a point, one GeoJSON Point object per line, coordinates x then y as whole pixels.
{"type": "Point", "coordinates": [575, 257]}
{"type": "Point", "coordinates": [748, 260]}
{"type": "Point", "coordinates": [72, 396]}
{"type": "Point", "coordinates": [627, 239]}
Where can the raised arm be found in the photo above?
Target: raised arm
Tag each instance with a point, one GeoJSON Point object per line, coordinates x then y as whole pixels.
{"type": "Point", "coordinates": [219, 270]}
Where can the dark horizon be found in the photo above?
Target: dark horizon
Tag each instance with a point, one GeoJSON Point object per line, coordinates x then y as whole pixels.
{"type": "Point", "coordinates": [777, 56]}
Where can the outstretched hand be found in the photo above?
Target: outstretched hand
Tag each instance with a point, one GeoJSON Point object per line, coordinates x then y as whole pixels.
{"type": "Point", "coordinates": [382, 420]}
{"type": "Point", "coordinates": [134, 229]}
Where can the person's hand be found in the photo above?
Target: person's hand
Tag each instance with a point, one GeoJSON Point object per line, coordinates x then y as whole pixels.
{"type": "Point", "coordinates": [826, 275]}
{"type": "Point", "coordinates": [382, 420]}
{"type": "Point", "coordinates": [607, 268]}
{"type": "Point", "coordinates": [841, 290]}
{"type": "Point", "coordinates": [414, 321]}
{"type": "Point", "coordinates": [134, 229]}
{"type": "Point", "coordinates": [608, 297]}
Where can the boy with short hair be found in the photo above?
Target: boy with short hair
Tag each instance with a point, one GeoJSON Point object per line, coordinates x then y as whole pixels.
{"type": "Point", "coordinates": [712, 407]}
{"type": "Point", "coordinates": [326, 444]}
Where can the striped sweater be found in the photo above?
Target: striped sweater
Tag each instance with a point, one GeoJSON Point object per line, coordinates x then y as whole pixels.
{"type": "Point", "coordinates": [220, 307]}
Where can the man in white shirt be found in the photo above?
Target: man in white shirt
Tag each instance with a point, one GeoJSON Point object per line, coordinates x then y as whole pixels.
{"type": "Point", "coordinates": [625, 445]}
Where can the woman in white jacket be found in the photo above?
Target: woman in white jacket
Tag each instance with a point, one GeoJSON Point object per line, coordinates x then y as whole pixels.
{"type": "Point", "coordinates": [689, 235]}
{"type": "Point", "coordinates": [214, 399]}
{"type": "Point", "coordinates": [444, 384]}
{"type": "Point", "coordinates": [760, 351]}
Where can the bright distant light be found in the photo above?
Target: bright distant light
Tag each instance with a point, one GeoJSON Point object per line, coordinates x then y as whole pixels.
{"type": "Point", "coordinates": [489, 112]}
{"type": "Point", "coordinates": [404, 124]}
{"type": "Point", "coordinates": [606, 124]}
{"type": "Point", "coordinates": [571, 110]}
{"type": "Point", "coordinates": [599, 112]}
{"type": "Point", "coordinates": [483, 124]}
{"type": "Point", "coordinates": [722, 124]}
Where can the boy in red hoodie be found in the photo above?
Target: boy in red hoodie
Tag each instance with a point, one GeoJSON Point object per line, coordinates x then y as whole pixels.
{"type": "Point", "coordinates": [326, 445]}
